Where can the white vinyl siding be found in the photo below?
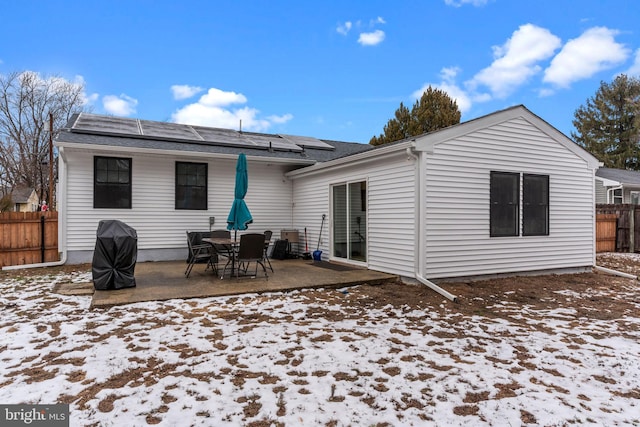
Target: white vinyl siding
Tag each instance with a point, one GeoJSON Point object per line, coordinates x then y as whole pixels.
{"type": "Point", "coordinates": [601, 192]}
{"type": "Point", "coordinates": [153, 215]}
{"type": "Point", "coordinates": [390, 210]}
{"type": "Point", "coordinates": [457, 204]}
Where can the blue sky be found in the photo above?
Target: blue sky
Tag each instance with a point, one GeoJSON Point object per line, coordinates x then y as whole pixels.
{"type": "Point", "coordinates": [331, 69]}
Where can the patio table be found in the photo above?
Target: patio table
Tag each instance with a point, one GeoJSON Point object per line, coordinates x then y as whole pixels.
{"type": "Point", "coordinates": [231, 246]}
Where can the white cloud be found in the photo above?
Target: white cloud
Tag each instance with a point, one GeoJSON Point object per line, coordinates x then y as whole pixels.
{"type": "Point", "coordinates": [61, 83]}
{"type": "Point", "coordinates": [635, 68]}
{"type": "Point", "coordinates": [212, 109]}
{"type": "Point", "coordinates": [595, 50]}
{"type": "Point", "coordinates": [185, 91]}
{"type": "Point", "coordinates": [122, 105]}
{"type": "Point", "coordinates": [90, 99]}
{"type": "Point", "coordinates": [344, 28]}
{"type": "Point", "coordinates": [516, 60]}
{"type": "Point", "coordinates": [378, 20]}
{"type": "Point", "coordinates": [371, 39]}
{"type": "Point", "coordinates": [448, 85]}
{"type": "Point", "coordinates": [219, 98]}
{"type": "Point", "coordinates": [87, 99]}
{"type": "Point", "coordinates": [458, 3]}
{"type": "Point", "coordinates": [280, 119]}
{"type": "Point", "coordinates": [544, 92]}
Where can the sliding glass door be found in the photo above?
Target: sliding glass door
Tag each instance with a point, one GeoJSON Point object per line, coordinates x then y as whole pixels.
{"type": "Point", "coordinates": [350, 221]}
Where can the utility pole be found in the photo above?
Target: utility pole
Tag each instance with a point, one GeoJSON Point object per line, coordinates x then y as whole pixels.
{"type": "Point", "coordinates": [51, 205]}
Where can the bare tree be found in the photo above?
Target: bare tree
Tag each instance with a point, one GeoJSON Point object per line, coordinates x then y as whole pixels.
{"type": "Point", "coordinates": [26, 100]}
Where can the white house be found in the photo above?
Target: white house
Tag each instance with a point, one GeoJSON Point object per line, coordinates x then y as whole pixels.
{"type": "Point", "coordinates": [617, 186]}
{"type": "Point", "coordinates": [23, 199]}
{"type": "Point", "coordinates": [504, 193]}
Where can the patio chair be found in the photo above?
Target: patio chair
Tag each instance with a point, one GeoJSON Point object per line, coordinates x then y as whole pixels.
{"type": "Point", "coordinates": [251, 250]}
{"type": "Point", "coordinates": [267, 243]}
{"type": "Point", "coordinates": [220, 233]}
{"type": "Point", "coordinates": [199, 252]}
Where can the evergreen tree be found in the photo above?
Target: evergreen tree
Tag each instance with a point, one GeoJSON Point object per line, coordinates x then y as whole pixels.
{"type": "Point", "coordinates": [434, 110]}
{"type": "Point", "coordinates": [608, 125]}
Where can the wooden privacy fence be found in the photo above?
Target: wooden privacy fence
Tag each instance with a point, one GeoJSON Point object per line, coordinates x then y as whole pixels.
{"type": "Point", "coordinates": [606, 226]}
{"type": "Point", "coordinates": [624, 236]}
{"type": "Point", "coordinates": [28, 237]}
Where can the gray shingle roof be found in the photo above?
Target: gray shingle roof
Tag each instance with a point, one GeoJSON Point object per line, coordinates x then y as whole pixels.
{"type": "Point", "coordinates": [622, 176]}
{"type": "Point", "coordinates": [18, 194]}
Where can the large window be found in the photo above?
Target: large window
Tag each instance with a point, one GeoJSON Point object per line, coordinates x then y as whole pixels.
{"type": "Point", "coordinates": [535, 201]}
{"type": "Point", "coordinates": [505, 201]}
{"type": "Point", "coordinates": [617, 196]}
{"type": "Point", "coordinates": [191, 186]}
{"type": "Point", "coordinates": [505, 195]}
{"type": "Point", "coordinates": [111, 182]}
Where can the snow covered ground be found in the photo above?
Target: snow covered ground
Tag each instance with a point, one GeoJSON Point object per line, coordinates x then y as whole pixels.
{"type": "Point", "coordinates": [317, 357]}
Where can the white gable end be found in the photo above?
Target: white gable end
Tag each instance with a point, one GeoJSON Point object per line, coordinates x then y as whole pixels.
{"type": "Point", "coordinates": [457, 190]}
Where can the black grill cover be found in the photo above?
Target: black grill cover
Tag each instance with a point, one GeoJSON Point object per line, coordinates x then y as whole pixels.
{"type": "Point", "coordinates": [115, 255]}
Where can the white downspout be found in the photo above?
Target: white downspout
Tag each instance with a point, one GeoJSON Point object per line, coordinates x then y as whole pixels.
{"type": "Point", "coordinates": [615, 272]}
{"type": "Point", "coordinates": [62, 216]}
{"type": "Point", "coordinates": [419, 218]}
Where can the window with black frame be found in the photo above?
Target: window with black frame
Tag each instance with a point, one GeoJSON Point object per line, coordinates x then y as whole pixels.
{"type": "Point", "coordinates": [504, 201]}
{"type": "Point", "coordinates": [111, 183]}
{"type": "Point", "coordinates": [535, 201]}
{"type": "Point", "coordinates": [191, 186]}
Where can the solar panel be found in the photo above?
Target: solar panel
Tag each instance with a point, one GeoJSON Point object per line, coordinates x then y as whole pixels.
{"type": "Point", "coordinates": [106, 124]}
{"type": "Point", "coordinates": [274, 142]}
{"type": "Point", "coordinates": [222, 137]}
{"type": "Point", "coordinates": [168, 130]}
{"type": "Point", "coordinates": [307, 141]}
{"type": "Point", "coordinates": [109, 125]}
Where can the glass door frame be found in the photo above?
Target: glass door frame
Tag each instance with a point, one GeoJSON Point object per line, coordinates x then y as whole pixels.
{"type": "Point", "coordinates": [332, 225]}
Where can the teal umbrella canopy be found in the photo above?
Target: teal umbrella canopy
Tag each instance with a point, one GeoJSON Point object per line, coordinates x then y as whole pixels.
{"type": "Point", "coordinates": [239, 216]}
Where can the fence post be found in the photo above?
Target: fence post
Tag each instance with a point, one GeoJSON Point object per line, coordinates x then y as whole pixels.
{"type": "Point", "coordinates": [42, 237]}
{"type": "Point", "coordinates": [632, 228]}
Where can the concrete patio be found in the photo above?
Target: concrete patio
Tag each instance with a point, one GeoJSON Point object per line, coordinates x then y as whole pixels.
{"type": "Point", "coordinates": [165, 280]}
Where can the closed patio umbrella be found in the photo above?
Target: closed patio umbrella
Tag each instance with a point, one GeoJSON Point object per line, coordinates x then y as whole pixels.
{"type": "Point", "coordinates": [239, 216]}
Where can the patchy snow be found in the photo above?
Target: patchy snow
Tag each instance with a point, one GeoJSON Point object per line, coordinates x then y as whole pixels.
{"type": "Point", "coordinates": [313, 358]}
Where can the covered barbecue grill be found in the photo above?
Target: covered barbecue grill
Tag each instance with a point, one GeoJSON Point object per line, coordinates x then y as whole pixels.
{"type": "Point", "coordinates": [115, 255]}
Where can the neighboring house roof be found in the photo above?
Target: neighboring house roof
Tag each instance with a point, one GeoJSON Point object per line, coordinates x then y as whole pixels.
{"type": "Point", "coordinates": [620, 176]}
{"type": "Point", "coordinates": [18, 194]}
{"type": "Point", "coordinates": [134, 135]}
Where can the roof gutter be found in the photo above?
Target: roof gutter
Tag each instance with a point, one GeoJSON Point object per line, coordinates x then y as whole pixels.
{"type": "Point", "coordinates": [420, 175]}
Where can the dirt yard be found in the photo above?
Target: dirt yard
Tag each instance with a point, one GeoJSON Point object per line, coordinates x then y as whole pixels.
{"type": "Point", "coordinates": [366, 345]}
